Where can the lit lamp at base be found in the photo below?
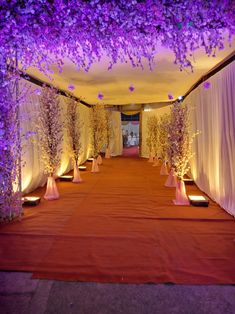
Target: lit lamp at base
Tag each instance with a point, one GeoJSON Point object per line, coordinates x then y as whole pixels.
{"type": "Point", "coordinates": [30, 200]}
{"type": "Point", "coordinates": [82, 168]}
{"type": "Point", "coordinates": [198, 200]}
{"type": "Point", "coordinates": [188, 181]}
{"type": "Point", "coordinates": [66, 178]}
{"type": "Point", "coordinates": [90, 159]}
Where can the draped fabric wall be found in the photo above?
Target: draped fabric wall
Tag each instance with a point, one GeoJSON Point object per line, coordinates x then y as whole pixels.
{"type": "Point", "coordinates": [33, 172]}
{"type": "Point", "coordinates": [213, 113]}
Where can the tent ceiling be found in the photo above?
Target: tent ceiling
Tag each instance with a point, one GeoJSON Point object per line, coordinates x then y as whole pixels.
{"type": "Point", "coordinates": [150, 86]}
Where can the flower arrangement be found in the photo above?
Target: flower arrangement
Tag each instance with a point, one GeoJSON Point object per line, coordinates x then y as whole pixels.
{"type": "Point", "coordinates": [50, 134]}
{"type": "Point", "coordinates": [73, 127]}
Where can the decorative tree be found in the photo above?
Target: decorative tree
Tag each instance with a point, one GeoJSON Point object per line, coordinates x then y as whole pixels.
{"type": "Point", "coordinates": [73, 126]}
{"type": "Point", "coordinates": [98, 129]}
{"type": "Point", "coordinates": [180, 151]}
{"type": "Point", "coordinates": [50, 133]}
{"type": "Point", "coordinates": [152, 138]}
{"type": "Point", "coordinates": [163, 141]}
{"type": "Point", "coordinates": [109, 132]}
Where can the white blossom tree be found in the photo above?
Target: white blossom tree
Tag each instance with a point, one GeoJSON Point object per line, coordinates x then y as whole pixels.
{"type": "Point", "coordinates": [98, 130]}
{"type": "Point", "coordinates": [153, 137]}
{"type": "Point", "coordinates": [73, 127]}
{"type": "Point", "coordinates": [109, 131]}
{"type": "Point", "coordinates": [164, 121]}
{"type": "Point", "coordinates": [180, 147]}
{"type": "Point", "coordinates": [50, 133]}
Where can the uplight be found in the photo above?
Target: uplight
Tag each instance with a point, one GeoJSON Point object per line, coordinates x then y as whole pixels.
{"type": "Point", "coordinates": [198, 200]}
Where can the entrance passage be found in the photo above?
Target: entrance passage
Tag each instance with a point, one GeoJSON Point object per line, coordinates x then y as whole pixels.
{"type": "Point", "coordinates": [120, 225]}
{"type": "Point", "coordinates": [130, 135]}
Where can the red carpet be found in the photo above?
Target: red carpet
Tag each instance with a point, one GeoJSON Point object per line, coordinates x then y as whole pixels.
{"type": "Point", "coordinates": [132, 151]}
{"type": "Point", "coordinates": [120, 225]}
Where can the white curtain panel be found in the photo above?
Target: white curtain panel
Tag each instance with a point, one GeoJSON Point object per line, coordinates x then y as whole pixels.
{"type": "Point", "coordinates": [213, 114]}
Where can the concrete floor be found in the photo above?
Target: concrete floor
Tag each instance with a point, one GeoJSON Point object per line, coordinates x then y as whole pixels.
{"type": "Point", "coordinates": [20, 294]}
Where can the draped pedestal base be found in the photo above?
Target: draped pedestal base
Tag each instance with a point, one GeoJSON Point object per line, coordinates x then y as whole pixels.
{"type": "Point", "coordinates": [164, 170]}
{"type": "Point", "coordinates": [51, 191]}
{"type": "Point", "coordinates": [76, 175]}
{"type": "Point", "coordinates": [95, 167]}
{"type": "Point", "coordinates": [180, 194]}
{"type": "Point", "coordinates": [171, 180]}
{"type": "Point", "coordinates": [107, 153]}
{"type": "Point", "coordinates": [99, 160]}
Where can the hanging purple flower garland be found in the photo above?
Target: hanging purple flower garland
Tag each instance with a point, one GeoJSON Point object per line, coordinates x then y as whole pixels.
{"type": "Point", "coordinates": [84, 31]}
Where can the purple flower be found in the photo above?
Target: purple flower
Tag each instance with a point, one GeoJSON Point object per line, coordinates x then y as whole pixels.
{"type": "Point", "coordinates": [131, 88]}
{"type": "Point", "coordinates": [37, 91]}
{"type": "Point", "coordinates": [170, 96]}
{"type": "Point", "coordinates": [100, 96]}
{"type": "Point", "coordinates": [71, 87]}
{"type": "Point", "coordinates": [206, 85]}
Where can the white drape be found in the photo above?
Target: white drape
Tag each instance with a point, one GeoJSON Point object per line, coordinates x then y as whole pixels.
{"type": "Point", "coordinates": [213, 114]}
{"type": "Point", "coordinates": [33, 171]}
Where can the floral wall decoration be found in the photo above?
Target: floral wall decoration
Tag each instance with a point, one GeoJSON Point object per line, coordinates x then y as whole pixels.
{"type": "Point", "coordinates": [73, 127]}
{"type": "Point", "coordinates": [50, 133]}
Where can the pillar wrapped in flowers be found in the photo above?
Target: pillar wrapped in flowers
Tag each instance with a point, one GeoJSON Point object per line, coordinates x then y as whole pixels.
{"type": "Point", "coordinates": [50, 133]}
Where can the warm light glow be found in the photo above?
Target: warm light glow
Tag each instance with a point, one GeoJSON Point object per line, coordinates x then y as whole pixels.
{"type": "Point", "coordinates": [31, 198]}
{"type": "Point", "coordinates": [196, 198]}
{"type": "Point", "coordinates": [66, 177]}
{"type": "Point", "coordinates": [147, 109]}
{"type": "Point", "coordinates": [90, 159]}
{"type": "Point", "coordinates": [82, 167]}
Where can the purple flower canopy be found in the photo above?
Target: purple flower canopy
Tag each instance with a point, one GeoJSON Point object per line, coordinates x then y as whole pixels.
{"type": "Point", "coordinates": [45, 32]}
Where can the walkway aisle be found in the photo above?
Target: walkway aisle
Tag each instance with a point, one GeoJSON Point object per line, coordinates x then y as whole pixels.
{"type": "Point", "coordinates": [120, 225]}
